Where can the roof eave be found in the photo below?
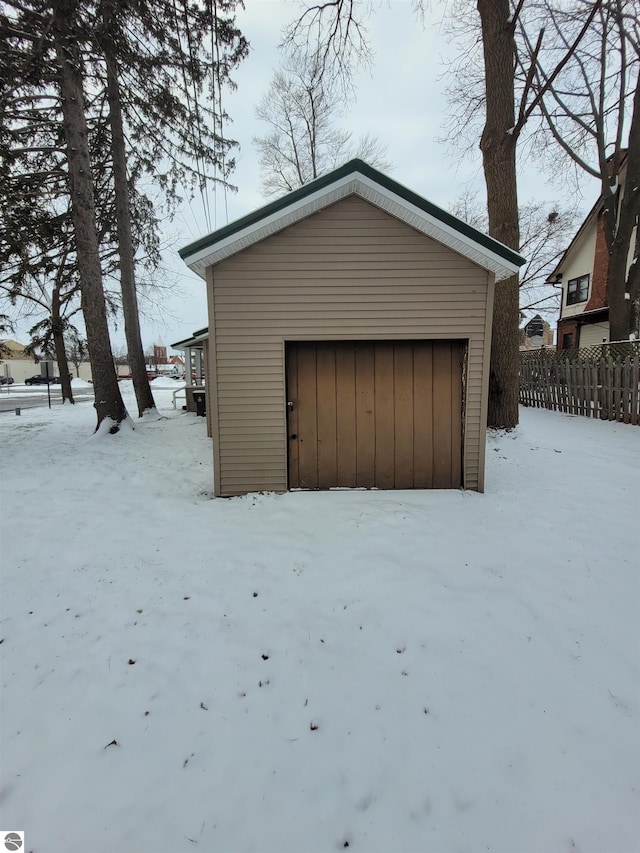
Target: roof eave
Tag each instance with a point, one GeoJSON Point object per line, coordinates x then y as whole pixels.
{"type": "Point", "coordinates": [360, 179]}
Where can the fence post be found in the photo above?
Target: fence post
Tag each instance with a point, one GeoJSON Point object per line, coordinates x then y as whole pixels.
{"type": "Point", "coordinates": [635, 390]}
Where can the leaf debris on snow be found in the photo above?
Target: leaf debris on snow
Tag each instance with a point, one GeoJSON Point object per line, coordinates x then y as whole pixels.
{"type": "Point", "coordinates": [420, 567]}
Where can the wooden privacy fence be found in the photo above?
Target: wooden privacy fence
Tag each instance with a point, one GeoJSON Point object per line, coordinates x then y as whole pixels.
{"type": "Point", "coordinates": [599, 385]}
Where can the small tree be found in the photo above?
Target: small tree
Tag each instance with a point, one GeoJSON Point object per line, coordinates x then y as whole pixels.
{"type": "Point", "coordinates": [76, 350]}
{"type": "Point", "coordinates": [303, 141]}
{"type": "Point", "coordinates": [546, 230]}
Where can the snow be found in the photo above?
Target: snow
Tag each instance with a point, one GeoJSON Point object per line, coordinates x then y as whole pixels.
{"type": "Point", "coordinates": [392, 671]}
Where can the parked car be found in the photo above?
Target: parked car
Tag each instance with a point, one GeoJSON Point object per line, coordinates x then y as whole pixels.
{"type": "Point", "coordinates": [6, 380]}
{"type": "Point", "coordinates": [42, 380]}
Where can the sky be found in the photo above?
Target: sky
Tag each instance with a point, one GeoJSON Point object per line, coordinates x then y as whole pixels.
{"type": "Point", "coordinates": [400, 99]}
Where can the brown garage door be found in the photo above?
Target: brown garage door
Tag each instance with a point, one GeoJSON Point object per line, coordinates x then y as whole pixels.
{"type": "Point", "coordinates": [375, 414]}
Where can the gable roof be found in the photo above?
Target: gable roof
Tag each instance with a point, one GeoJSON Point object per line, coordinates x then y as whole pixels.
{"type": "Point", "coordinates": [354, 178]}
{"type": "Point", "coordinates": [11, 349]}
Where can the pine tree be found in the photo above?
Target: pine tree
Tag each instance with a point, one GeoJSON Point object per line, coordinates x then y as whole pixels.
{"type": "Point", "coordinates": [172, 61]}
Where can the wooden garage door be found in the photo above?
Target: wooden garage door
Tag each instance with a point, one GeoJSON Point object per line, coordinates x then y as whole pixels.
{"type": "Point", "coordinates": [375, 414]}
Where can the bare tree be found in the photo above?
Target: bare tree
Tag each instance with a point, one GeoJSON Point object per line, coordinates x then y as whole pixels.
{"type": "Point", "coordinates": [330, 35]}
{"type": "Point", "coordinates": [498, 146]}
{"type": "Point", "coordinates": [504, 123]}
{"type": "Point", "coordinates": [77, 352]}
{"type": "Point", "coordinates": [545, 231]}
{"type": "Point", "coordinates": [336, 36]}
{"type": "Point", "coordinates": [591, 115]}
{"type": "Point", "coordinates": [498, 95]}
{"type": "Point", "coordinates": [303, 141]}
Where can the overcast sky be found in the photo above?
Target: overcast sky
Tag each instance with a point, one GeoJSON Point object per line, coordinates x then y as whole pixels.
{"type": "Point", "coordinates": [400, 99]}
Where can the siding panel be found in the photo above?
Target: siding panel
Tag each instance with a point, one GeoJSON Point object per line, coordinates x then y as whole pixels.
{"type": "Point", "coordinates": [349, 272]}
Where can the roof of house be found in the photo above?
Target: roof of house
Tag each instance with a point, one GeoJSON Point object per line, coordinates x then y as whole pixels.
{"type": "Point", "coordinates": [354, 178]}
{"type": "Point", "coordinates": [13, 349]}
{"type": "Point", "coordinates": [194, 342]}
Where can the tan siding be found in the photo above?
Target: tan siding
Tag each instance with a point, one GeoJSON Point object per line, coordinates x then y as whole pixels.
{"type": "Point", "coordinates": [476, 477]}
{"type": "Point", "coordinates": [212, 385]}
{"type": "Point", "coordinates": [350, 272]}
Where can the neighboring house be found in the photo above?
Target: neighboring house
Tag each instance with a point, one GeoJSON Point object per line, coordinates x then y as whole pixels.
{"type": "Point", "coordinates": [16, 362]}
{"type": "Point", "coordinates": [195, 350]}
{"type": "Point", "coordinates": [582, 273]}
{"type": "Point", "coordinates": [535, 333]}
{"type": "Point", "coordinates": [348, 340]}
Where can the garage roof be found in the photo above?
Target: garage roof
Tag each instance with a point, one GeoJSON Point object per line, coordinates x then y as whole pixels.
{"type": "Point", "coordinates": [354, 178]}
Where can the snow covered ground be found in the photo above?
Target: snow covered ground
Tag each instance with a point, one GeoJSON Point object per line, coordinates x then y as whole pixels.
{"type": "Point", "coordinates": [378, 671]}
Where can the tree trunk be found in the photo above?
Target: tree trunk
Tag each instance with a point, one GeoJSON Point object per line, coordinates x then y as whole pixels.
{"type": "Point", "coordinates": [498, 146]}
{"type": "Point", "coordinates": [135, 353]}
{"type": "Point", "coordinates": [619, 307]}
{"type": "Point", "coordinates": [108, 400]}
{"type": "Point", "coordinates": [58, 343]}
{"type": "Point", "coordinates": [622, 288]}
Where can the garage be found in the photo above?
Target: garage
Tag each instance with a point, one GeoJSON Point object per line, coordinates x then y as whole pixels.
{"type": "Point", "coordinates": [349, 329]}
{"type": "Point", "coordinates": [372, 414]}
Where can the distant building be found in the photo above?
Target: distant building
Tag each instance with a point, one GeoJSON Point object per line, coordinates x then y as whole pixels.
{"type": "Point", "coordinates": [159, 352]}
{"type": "Point", "coordinates": [12, 350]}
{"type": "Point", "coordinates": [535, 334]}
{"type": "Point", "coordinates": [16, 362]}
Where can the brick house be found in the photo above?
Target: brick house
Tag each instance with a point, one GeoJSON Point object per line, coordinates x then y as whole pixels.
{"type": "Point", "coordinates": [583, 273]}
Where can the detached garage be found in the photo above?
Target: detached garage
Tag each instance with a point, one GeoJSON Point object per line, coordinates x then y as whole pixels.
{"type": "Point", "coordinates": [349, 336]}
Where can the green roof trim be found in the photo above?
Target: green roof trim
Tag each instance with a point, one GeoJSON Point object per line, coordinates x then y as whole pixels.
{"type": "Point", "coordinates": [353, 167]}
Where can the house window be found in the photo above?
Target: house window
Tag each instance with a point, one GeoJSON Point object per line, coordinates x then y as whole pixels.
{"type": "Point", "coordinates": [567, 340]}
{"type": "Point", "coordinates": [577, 289]}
